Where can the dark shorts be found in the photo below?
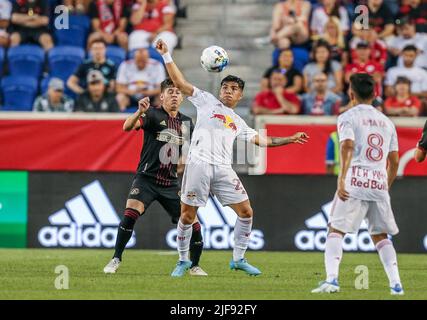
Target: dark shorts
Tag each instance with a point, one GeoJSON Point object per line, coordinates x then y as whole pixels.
{"type": "Point", "coordinates": [31, 35]}
{"type": "Point", "coordinates": [146, 191]}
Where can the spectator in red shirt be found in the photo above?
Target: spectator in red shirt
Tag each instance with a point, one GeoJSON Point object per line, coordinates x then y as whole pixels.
{"type": "Point", "coordinates": [109, 22]}
{"type": "Point", "coordinates": [378, 47]}
{"type": "Point", "coordinates": [403, 104]}
{"type": "Point", "coordinates": [276, 100]}
{"type": "Point", "coordinates": [152, 20]}
{"type": "Point", "coordinates": [363, 64]}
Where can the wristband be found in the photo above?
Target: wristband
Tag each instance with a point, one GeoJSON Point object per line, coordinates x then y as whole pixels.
{"type": "Point", "coordinates": [167, 58]}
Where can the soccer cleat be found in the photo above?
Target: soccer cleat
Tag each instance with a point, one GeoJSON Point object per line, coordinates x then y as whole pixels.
{"type": "Point", "coordinates": [397, 290]}
{"type": "Point", "coordinates": [197, 271]}
{"type": "Point", "coordinates": [243, 264]}
{"type": "Point", "coordinates": [112, 266]}
{"type": "Point", "coordinates": [327, 287]}
{"type": "Point", "coordinates": [180, 268]}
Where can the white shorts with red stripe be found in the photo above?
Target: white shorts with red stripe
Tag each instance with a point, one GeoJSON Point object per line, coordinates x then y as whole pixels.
{"type": "Point", "coordinates": [347, 216]}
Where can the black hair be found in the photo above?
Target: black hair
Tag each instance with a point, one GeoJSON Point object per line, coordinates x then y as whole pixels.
{"type": "Point", "coordinates": [363, 86]}
{"type": "Point", "coordinates": [231, 78]}
{"type": "Point", "coordinates": [323, 44]}
{"type": "Point", "coordinates": [167, 83]}
{"type": "Point", "coordinates": [410, 47]}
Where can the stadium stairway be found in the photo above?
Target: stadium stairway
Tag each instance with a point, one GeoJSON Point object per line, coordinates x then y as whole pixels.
{"type": "Point", "coordinates": [233, 25]}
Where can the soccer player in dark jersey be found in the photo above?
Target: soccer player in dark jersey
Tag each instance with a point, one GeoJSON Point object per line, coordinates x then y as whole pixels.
{"type": "Point", "coordinates": [421, 151]}
{"type": "Point", "coordinates": [166, 130]}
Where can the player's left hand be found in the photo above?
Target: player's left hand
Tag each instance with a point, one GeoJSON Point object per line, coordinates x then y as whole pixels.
{"type": "Point", "coordinates": [300, 138]}
{"type": "Point", "coordinates": [341, 192]}
{"type": "Point", "coordinates": [143, 105]}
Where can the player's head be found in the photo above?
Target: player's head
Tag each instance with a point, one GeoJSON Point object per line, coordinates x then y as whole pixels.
{"type": "Point", "coordinates": [362, 88]}
{"type": "Point", "coordinates": [231, 91]}
{"type": "Point", "coordinates": [170, 96]}
{"type": "Point", "coordinates": [409, 54]}
{"type": "Point", "coordinates": [278, 78]}
{"type": "Point", "coordinates": [98, 49]}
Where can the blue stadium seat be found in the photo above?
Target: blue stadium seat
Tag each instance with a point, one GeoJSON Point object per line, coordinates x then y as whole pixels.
{"type": "Point", "coordinates": [116, 54]}
{"type": "Point", "coordinates": [2, 55]}
{"type": "Point", "coordinates": [26, 60]}
{"type": "Point", "coordinates": [64, 60]}
{"type": "Point", "coordinates": [76, 35]}
{"type": "Point", "coordinates": [18, 92]}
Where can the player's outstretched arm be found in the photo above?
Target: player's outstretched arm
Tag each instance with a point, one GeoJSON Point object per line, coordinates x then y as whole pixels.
{"type": "Point", "coordinates": [174, 73]}
{"type": "Point", "coordinates": [132, 122]}
{"type": "Point", "coordinates": [299, 138]}
{"type": "Point", "coordinates": [393, 165]}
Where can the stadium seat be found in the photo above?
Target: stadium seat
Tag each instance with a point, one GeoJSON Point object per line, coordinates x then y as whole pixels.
{"type": "Point", "coordinates": [152, 52]}
{"type": "Point", "coordinates": [64, 60]}
{"type": "Point", "coordinates": [116, 54]}
{"type": "Point", "coordinates": [18, 92]}
{"type": "Point", "coordinates": [301, 57]}
{"type": "Point", "coordinates": [2, 55]}
{"type": "Point", "coordinates": [76, 35]}
{"type": "Point", "coordinates": [26, 60]}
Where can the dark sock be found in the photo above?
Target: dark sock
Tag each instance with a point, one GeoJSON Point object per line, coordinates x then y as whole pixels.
{"type": "Point", "coordinates": [196, 245]}
{"type": "Point", "coordinates": [124, 231]}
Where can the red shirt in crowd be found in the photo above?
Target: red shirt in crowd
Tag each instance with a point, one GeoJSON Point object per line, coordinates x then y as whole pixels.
{"type": "Point", "coordinates": [154, 15]}
{"type": "Point", "coordinates": [412, 101]}
{"type": "Point", "coordinates": [370, 67]}
{"type": "Point", "coordinates": [267, 99]}
{"type": "Point", "coordinates": [378, 52]}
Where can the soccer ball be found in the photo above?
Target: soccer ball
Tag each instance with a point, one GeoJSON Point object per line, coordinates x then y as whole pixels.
{"type": "Point", "coordinates": [214, 59]}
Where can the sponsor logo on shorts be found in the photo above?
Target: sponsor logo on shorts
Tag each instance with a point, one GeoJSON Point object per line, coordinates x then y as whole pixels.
{"type": "Point", "coordinates": [314, 236]}
{"type": "Point", "coordinates": [134, 191]}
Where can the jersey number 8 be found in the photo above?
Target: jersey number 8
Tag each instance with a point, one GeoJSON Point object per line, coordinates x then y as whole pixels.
{"type": "Point", "coordinates": [375, 152]}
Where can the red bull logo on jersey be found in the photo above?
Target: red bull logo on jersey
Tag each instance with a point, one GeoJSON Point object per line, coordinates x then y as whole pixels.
{"type": "Point", "coordinates": [226, 120]}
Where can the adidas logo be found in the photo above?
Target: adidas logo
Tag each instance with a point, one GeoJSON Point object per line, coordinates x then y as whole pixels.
{"type": "Point", "coordinates": [88, 220]}
{"type": "Point", "coordinates": [315, 237]}
{"type": "Point", "coordinates": [218, 228]}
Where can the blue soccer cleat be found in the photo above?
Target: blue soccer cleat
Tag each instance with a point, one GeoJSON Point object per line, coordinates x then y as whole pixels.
{"type": "Point", "coordinates": [327, 287]}
{"type": "Point", "coordinates": [180, 268]}
{"type": "Point", "coordinates": [397, 290]}
{"type": "Point", "coordinates": [243, 264]}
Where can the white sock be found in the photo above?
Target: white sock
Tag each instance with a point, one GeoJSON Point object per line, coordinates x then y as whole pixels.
{"type": "Point", "coordinates": [242, 231]}
{"type": "Point", "coordinates": [389, 259]}
{"type": "Point", "coordinates": [333, 255]}
{"type": "Point", "coordinates": [183, 240]}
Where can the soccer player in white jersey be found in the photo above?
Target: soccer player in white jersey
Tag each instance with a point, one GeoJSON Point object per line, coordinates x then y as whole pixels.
{"type": "Point", "coordinates": [208, 168]}
{"type": "Point", "coordinates": [369, 162]}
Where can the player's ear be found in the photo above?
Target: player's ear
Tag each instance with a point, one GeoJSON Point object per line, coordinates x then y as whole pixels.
{"type": "Point", "coordinates": [162, 97]}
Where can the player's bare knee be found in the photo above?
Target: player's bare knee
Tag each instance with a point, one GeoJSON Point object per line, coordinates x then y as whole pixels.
{"type": "Point", "coordinates": [378, 237]}
{"type": "Point", "coordinates": [135, 205]}
{"type": "Point", "coordinates": [246, 212]}
{"type": "Point", "coordinates": [332, 230]}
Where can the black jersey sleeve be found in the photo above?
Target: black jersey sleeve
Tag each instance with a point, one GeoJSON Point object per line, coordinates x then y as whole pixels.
{"type": "Point", "coordinates": [423, 141]}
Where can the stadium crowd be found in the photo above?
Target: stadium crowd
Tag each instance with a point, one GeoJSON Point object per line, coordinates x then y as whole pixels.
{"type": "Point", "coordinates": [320, 44]}
{"type": "Point", "coordinates": [105, 61]}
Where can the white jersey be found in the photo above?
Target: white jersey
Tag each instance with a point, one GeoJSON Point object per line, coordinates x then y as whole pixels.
{"type": "Point", "coordinates": [216, 129]}
{"type": "Point", "coordinates": [374, 137]}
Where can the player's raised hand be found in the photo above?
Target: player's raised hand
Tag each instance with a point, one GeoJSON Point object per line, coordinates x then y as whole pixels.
{"type": "Point", "coordinates": [143, 105]}
{"type": "Point", "coordinates": [161, 47]}
{"type": "Point", "coordinates": [341, 192]}
{"type": "Point", "coordinates": [300, 138]}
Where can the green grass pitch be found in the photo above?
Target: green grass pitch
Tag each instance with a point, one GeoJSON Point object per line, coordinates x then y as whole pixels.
{"type": "Point", "coordinates": [30, 274]}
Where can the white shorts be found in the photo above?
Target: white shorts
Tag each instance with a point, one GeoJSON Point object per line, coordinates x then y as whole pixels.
{"type": "Point", "coordinates": [346, 216]}
{"type": "Point", "coordinates": [140, 38]}
{"type": "Point", "coordinates": [202, 178]}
